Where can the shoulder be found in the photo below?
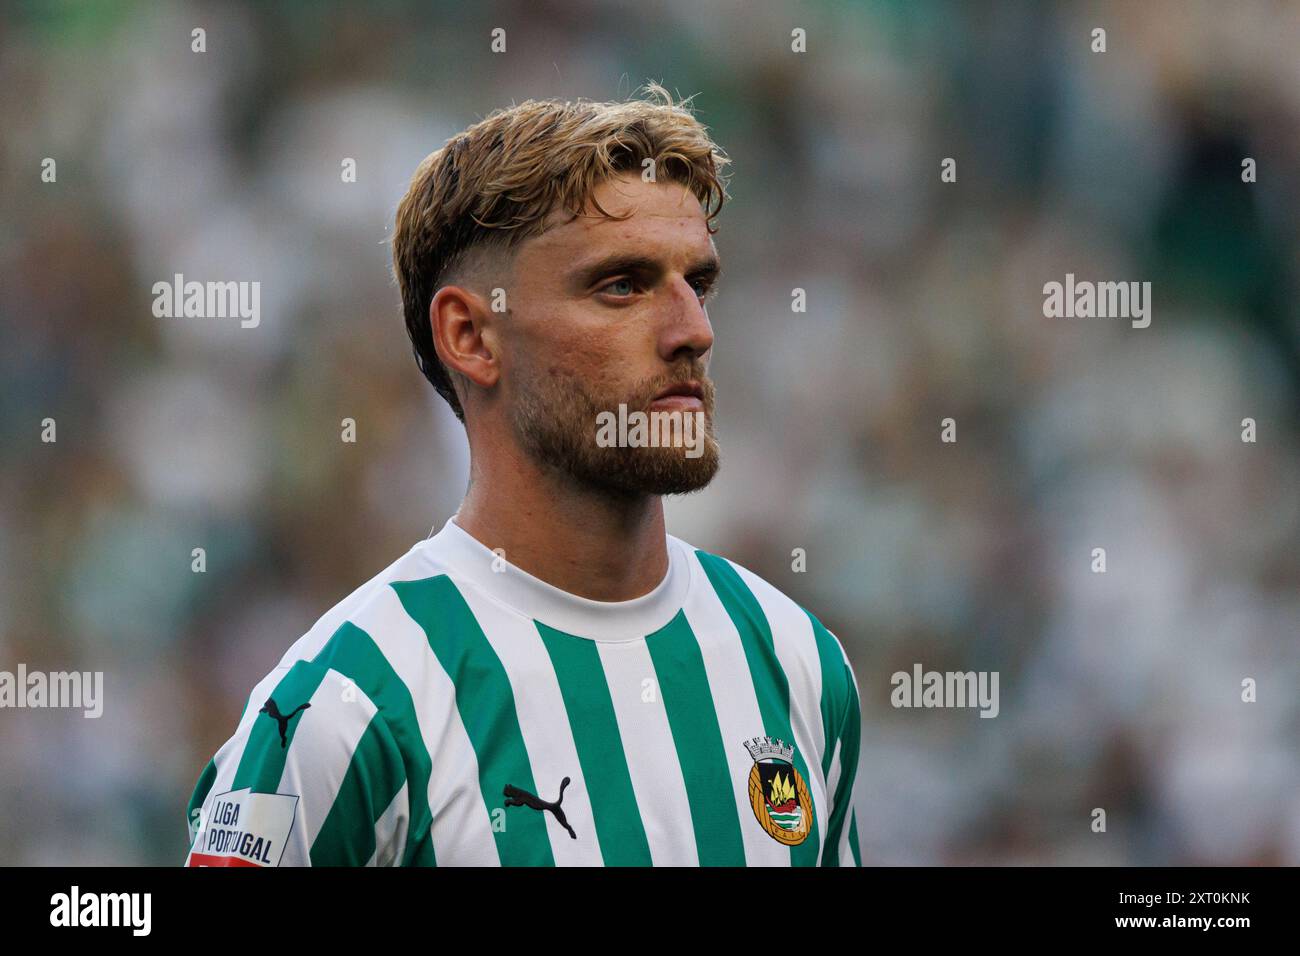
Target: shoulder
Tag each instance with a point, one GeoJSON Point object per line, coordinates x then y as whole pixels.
{"type": "Point", "coordinates": [735, 581]}
{"type": "Point", "coordinates": [366, 652]}
{"type": "Point", "coordinates": [794, 630]}
{"type": "Point", "coordinates": [373, 607]}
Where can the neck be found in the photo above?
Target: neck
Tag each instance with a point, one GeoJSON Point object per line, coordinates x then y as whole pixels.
{"type": "Point", "coordinates": [593, 543]}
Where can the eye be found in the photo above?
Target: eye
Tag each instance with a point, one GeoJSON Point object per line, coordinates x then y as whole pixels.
{"type": "Point", "coordinates": [616, 287]}
{"type": "Point", "coordinates": [704, 288]}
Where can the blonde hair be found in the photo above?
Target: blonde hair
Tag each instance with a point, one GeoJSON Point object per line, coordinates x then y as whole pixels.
{"type": "Point", "coordinates": [495, 184]}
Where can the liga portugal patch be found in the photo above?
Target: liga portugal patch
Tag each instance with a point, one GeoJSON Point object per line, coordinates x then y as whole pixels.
{"type": "Point", "coordinates": [777, 791]}
{"type": "Point", "coordinates": [244, 828]}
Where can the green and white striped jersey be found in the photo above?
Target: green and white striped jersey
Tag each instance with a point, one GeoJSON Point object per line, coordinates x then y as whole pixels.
{"type": "Point", "coordinates": [455, 710]}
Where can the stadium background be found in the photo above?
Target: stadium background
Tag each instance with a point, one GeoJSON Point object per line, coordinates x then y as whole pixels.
{"type": "Point", "coordinates": [1118, 690]}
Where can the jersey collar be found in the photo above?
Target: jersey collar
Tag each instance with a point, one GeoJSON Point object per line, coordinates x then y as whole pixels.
{"type": "Point", "coordinates": [466, 560]}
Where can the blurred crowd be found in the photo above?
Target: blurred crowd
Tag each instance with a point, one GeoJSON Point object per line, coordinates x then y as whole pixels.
{"type": "Point", "coordinates": [1119, 690]}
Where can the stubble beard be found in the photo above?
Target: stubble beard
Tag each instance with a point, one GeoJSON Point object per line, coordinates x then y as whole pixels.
{"type": "Point", "coordinates": [555, 420]}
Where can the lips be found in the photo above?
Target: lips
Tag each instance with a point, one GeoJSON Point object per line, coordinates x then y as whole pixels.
{"type": "Point", "coordinates": [685, 389]}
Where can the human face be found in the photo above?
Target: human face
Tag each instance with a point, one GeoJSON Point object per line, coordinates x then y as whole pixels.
{"type": "Point", "coordinates": [607, 312]}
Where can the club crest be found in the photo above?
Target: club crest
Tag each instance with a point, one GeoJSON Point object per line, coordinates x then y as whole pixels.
{"type": "Point", "coordinates": [777, 791]}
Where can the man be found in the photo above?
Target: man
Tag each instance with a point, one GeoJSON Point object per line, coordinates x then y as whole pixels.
{"type": "Point", "coordinates": [552, 679]}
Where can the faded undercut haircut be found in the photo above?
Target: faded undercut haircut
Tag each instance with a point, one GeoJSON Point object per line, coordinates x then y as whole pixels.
{"type": "Point", "coordinates": [494, 185]}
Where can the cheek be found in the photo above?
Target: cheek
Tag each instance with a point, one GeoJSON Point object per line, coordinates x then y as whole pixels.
{"type": "Point", "coordinates": [569, 346]}
{"type": "Point", "coordinates": [591, 357]}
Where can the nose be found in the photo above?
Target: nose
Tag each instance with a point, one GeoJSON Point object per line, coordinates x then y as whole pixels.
{"type": "Point", "coordinates": [685, 331]}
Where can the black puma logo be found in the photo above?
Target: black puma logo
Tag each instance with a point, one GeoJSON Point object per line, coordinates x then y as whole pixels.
{"type": "Point", "coordinates": [273, 712]}
{"type": "Point", "coordinates": [522, 798]}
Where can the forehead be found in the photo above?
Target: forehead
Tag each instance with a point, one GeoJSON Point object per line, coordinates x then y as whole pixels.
{"type": "Point", "coordinates": [663, 218]}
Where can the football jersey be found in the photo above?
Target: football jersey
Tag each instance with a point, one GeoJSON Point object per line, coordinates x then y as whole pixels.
{"type": "Point", "coordinates": [457, 711]}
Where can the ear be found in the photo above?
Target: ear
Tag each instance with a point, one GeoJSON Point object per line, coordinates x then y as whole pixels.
{"type": "Point", "coordinates": [464, 336]}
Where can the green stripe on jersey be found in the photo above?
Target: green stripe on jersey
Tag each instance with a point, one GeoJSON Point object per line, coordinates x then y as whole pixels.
{"type": "Point", "coordinates": [487, 709]}
{"type": "Point", "coordinates": [835, 688]}
{"type": "Point", "coordinates": [771, 686]}
{"type": "Point", "coordinates": [693, 719]}
{"type": "Point", "coordinates": [201, 790]}
{"type": "Point", "coordinates": [353, 653]}
{"type": "Point", "coordinates": [374, 776]}
{"type": "Point", "coordinates": [853, 837]}
{"type": "Point", "coordinates": [850, 734]}
{"type": "Point", "coordinates": [261, 765]}
{"type": "Point", "coordinates": [590, 710]}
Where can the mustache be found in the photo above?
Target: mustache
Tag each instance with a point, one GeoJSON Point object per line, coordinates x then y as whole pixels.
{"type": "Point", "coordinates": [694, 372]}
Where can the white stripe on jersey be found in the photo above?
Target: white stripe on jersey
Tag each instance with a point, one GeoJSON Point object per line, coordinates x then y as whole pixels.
{"type": "Point", "coordinates": [739, 716]}
{"type": "Point", "coordinates": [846, 852]}
{"type": "Point", "coordinates": [544, 723]}
{"type": "Point", "coordinates": [390, 831]}
{"type": "Point", "coordinates": [833, 774]}
{"type": "Point", "coordinates": [324, 739]}
{"type": "Point", "coordinates": [652, 763]}
{"type": "Point", "coordinates": [843, 851]}
{"type": "Point", "coordinates": [796, 650]}
{"type": "Point", "coordinates": [460, 817]}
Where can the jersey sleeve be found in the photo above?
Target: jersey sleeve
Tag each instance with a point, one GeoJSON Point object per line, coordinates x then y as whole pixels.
{"type": "Point", "coordinates": [842, 721]}
{"type": "Point", "coordinates": [841, 848]}
{"type": "Point", "coordinates": [311, 777]}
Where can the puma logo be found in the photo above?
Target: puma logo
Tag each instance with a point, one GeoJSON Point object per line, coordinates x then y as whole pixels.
{"type": "Point", "coordinates": [282, 720]}
{"type": "Point", "coordinates": [516, 797]}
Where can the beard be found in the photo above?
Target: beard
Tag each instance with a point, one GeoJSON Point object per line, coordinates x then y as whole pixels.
{"type": "Point", "coordinates": [555, 420]}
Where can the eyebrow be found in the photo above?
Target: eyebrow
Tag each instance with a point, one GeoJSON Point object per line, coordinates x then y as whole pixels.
{"type": "Point", "coordinates": [584, 275]}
